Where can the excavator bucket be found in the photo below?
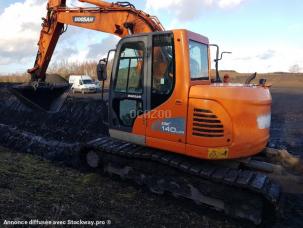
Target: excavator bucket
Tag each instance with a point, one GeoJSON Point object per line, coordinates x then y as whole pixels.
{"type": "Point", "coordinates": [46, 97]}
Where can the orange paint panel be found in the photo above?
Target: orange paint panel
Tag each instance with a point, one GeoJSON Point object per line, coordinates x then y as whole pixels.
{"type": "Point", "coordinates": [165, 145]}
{"type": "Point", "coordinates": [139, 127]}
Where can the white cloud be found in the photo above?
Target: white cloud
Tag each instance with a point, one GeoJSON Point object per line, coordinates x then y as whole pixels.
{"type": "Point", "coordinates": [268, 54]}
{"type": "Point", "coordinates": [100, 49]}
{"type": "Point", "coordinates": [171, 4]}
{"type": "Point", "coordinates": [76, 3]}
{"type": "Point", "coordinates": [262, 59]}
{"type": "Point", "coordinates": [189, 9]}
{"type": "Point", "coordinates": [20, 23]}
{"type": "Point", "coordinates": [229, 3]}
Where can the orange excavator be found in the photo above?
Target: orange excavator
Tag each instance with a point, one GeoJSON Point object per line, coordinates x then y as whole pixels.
{"type": "Point", "coordinates": [170, 127]}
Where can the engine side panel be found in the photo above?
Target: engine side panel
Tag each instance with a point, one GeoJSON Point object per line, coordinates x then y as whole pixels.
{"type": "Point", "coordinates": [227, 122]}
{"type": "Point", "coordinates": [209, 125]}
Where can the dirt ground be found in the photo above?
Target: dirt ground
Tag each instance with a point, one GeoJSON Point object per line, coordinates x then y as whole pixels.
{"type": "Point", "coordinates": [287, 119]}
{"type": "Point", "coordinates": [33, 188]}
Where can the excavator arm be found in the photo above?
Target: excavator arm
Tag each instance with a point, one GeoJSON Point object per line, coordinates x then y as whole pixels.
{"type": "Point", "coordinates": [120, 19]}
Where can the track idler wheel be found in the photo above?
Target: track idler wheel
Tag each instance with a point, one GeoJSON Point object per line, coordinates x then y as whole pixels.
{"type": "Point", "coordinates": [92, 159]}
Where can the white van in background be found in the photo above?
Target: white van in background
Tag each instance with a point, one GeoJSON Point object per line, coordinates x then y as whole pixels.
{"type": "Point", "coordinates": [83, 84]}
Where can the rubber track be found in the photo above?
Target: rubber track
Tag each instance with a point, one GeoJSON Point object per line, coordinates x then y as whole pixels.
{"type": "Point", "coordinates": [249, 180]}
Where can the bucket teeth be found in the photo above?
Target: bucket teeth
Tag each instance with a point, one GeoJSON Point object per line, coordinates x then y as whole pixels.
{"type": "Point", "coordinates": [44, 97]}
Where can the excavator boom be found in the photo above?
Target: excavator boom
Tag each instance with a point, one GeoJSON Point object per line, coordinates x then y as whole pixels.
{"type": "Point", "coordinates": [120, 19]}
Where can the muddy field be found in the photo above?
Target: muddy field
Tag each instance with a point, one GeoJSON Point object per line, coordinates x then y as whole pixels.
{"type": "Point", "coordinates": [32, 188]}
{"type": "Point", "coordinates": [287, 119]}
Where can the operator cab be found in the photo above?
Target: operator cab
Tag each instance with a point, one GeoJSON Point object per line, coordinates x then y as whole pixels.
{"type": "Point", "coordinates": [161, 96]}
{"type": "Point", "coordinates": [144, 77]}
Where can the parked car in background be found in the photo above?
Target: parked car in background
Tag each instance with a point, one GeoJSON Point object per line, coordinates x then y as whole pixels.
{"type": "Point", "coordinates": [83, 84]}
{"type": "Point", "coordinates": [98, 84]}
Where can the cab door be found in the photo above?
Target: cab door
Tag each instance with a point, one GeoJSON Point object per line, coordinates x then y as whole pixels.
{"type": "Point", "coordinates": [166, 120]}
{"type": "Point", "coordinates": [128, 95]}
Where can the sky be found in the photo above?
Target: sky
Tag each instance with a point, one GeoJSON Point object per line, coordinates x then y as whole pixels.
{"type": "Point", "coordinates": [263, 36]}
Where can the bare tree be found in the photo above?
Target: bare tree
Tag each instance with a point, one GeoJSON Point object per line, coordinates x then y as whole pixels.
{"type": "Point", "coordinates": [65, 68]}
{"type": "Point", "coordinates": [295, 68]}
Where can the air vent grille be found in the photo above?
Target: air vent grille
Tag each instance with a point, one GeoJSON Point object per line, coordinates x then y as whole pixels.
{"type": "Point", "coordinates": [207, 124]}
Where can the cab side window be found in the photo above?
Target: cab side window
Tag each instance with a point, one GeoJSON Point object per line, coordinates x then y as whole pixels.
{"type": "Point", "coordinates": [198, 61]}
{"type": "Point", "coordinates": [163, 69]}
{"type": "Point", "coordinates": [130, 72]}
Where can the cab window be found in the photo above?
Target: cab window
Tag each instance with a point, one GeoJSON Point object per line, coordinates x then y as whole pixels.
{"type": "Point", "coordinates": [130, 70]}
{"type": "Point", "coordinates": [163, 69]}
{"type": "Point", "coordinates": [198, 61]}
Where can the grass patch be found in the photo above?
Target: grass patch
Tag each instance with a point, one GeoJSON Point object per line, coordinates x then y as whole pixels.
{"type": "Point", "coordinates": [31, 188]}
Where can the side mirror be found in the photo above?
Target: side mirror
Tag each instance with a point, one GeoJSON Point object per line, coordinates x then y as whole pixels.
{"type": "Point", "coordinates": [101, 70]}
